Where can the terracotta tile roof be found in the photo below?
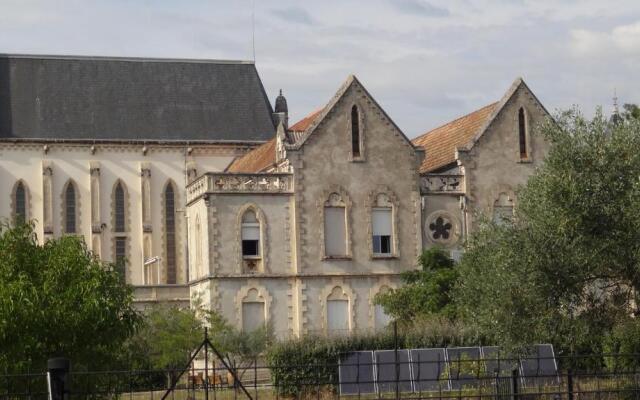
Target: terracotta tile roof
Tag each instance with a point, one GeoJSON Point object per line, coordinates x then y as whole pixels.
{"type": "Point", "coordinates": [257, 160]}
{"type": "Point", "coordinates": [440, 144]}
{"type": "Point", "coordinates": [304, 123]}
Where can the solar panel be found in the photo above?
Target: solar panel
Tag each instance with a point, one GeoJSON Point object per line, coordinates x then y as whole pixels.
{"type": "Point", "coordinates": [464, 366]}
{"type": "Point", "coordinates": [356, 373]}
{"type": "Point", "coordinates": [497, 361]}
{"type": "Point", "coordinates": [539, 366]}
{"type": "Point", "coordinates": [386, 372]}
{"type": "Point", "coordinates": [428, 367]}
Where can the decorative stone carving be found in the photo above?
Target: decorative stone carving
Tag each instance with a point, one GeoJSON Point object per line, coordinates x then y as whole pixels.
{"type": "Point", "coordinates": [442, 183]}
{"type": "Point", "coordinates": [442, 228]}
{"type": "Point", "coordinates": [240, 183]}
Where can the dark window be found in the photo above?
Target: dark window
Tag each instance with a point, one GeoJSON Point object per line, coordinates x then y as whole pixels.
{"type": "Point", "coordinates": [440, 228]}
{"type": "Point", "coordinates": [121, 256]}
{"type": "Point", "coordinates": [250, 235]}
{"type": "Point", "coordinates": [21, 203]}
{"type": "Point", "coordinates": [382, 244]}
{"type": "Point", "coordinates": [355, 132]}
{"type": "Point", "coordinates": [119, 211]}
{"type": "Point", "coordinates": [170, 232]}
{"type": "Point", "coordinates": [522, 132]}
{"type": "Point", "coordinates": [70, 209]}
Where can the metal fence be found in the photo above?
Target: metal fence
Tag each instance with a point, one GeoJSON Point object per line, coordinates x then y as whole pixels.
{"type": "Point", "coordinates": [608, 378]}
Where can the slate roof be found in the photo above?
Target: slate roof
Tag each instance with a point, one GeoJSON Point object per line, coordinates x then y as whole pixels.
{"type": "Point", "coordinates": [440, 143]}
{"type": "Point", "coordinates": [257, 160]}
{"type": "Point", "coordinates": [132, 99]}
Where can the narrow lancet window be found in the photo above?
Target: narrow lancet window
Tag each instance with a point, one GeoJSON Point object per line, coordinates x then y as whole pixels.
{"type": "Point", "coordinates": [120, 225]}
{"type": "Point", "coordinates": [170, 232]}
{"type": "Point", "coordinates": [70, 209]}
{"type": "Point", "coordinates": [21, 203]}
{"type": "Point", "coordinates": [355, 132]}
{"type": "Point", "coordinates": [522, 133]}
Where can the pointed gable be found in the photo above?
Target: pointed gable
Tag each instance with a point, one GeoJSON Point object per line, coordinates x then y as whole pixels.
{"type": "Point", "coordinates": [441, 144]}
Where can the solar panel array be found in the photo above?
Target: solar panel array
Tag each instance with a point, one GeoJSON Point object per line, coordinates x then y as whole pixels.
{"type": "Point", "coordinates": [440, 369]}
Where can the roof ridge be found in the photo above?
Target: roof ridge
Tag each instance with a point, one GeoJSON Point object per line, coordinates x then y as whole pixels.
{"type": "Point", "coordinates": [122, 58]}
{"type": "Point", "coordinates": [454, 120]}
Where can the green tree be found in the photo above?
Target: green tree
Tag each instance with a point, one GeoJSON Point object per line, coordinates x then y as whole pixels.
{"type": "Point", "coordinates": [566, 268]}
{"type": "Point", "coordinates": [426, 292]}
{"type": "Point", "coordinates": [56, 299]}
{"type": "Point", "coordinates": [631, 112]}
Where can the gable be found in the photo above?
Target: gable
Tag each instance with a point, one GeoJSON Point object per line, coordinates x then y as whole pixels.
{"type": "Point", "coordinates": [304, 129]}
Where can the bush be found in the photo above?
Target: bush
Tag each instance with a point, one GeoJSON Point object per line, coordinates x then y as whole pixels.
{"type": "Point", "coordinates": [623, 343]}
{"type": "Point", "coordinates": [311, 362]}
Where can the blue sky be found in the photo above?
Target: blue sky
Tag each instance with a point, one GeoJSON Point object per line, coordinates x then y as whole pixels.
{"type": "Point", "coordinates": [425, 61]}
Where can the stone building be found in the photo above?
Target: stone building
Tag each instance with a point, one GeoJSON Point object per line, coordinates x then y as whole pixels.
{"type": "Point", "coordinates": [181, 173]}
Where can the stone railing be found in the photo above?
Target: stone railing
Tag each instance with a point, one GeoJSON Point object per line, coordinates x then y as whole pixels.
{"type": "Point", "coordinates": [152, 294]}
{"type": "Point", "coordinates": [240, 183]}
{"type": "Point", "coordinates": [442, 183]}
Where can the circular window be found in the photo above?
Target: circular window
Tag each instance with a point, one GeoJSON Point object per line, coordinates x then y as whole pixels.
{"type": "Point", "coordinates": [443, 228]}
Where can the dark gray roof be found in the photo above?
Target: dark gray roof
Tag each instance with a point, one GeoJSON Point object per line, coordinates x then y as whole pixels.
{"type": "Point", "coordinates": [101, 98]}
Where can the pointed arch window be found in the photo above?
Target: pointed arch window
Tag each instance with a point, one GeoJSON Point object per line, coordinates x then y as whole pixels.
{"type": "Point", "coordinates": [170, 232]}
{"type": "Point", "coordinates": [355, 132]}
{"type": "Point", "coordinates": [253, 311]}
{"type": "Point", "coordinates": [20, 203]}
{"type": "Point", "coordinates": [70, 208]}
{"type": "Point", "coordinates": [523, 134]}
{"type": "Point", "coordinates": [119, 208]}
{"type": "Point", "coordinates": [503, 209]}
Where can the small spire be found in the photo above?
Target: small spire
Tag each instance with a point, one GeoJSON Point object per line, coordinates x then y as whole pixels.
{"type": "Point", "coordinates": [616, 110]}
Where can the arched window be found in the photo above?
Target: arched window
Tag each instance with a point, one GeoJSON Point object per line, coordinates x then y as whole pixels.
{"type": "Point", "coordinates": [355, 132]}
{"type": "Point", "coordinates": [119, 209]}
{"type": "Point", "coordinates": [335, 227]}
{"type": "Point", "coordinates": [380, 317]}
{"type": "Point", "coordinates": [250, 235]}
{"type": "Point", "coordinates": [20, 202]}
{"type": "Point", "coordinates": [70, 208]}
{"type": "Point", "coordinates": [170, 232]}
{"type": "Point", "coordinates": [253, 311]}
{"type": "Point", "coordinates": [503, 209]}
{"type": "Point", "coordinates": [338, 312]}
{"type": "Point", "coordinates": [522, 133]}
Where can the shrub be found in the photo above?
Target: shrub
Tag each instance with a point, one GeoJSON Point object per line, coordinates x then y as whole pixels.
{"type": "Point", "coordinates": [311, 362]}
{"type": "Point", "coordinates": [623, 343]}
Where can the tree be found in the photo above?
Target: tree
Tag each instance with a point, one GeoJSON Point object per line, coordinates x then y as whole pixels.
{"type": "Point", "coordinates": [631, 112]}
{"type": "Point", "coordinates": [565, 269]}
{"type": "Point", "coordinates": [426, 292]}
{"type": "Point", "coordinates": [56, 299]}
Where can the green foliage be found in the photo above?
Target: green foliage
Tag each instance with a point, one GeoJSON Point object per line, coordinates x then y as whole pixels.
{"type": "Point", "coordinates": [166, 339]}
{"type": "Point", "coordinates": [315, 359]}
{"type": "Point", "coordinates": [631, 112]}
{"type": "Point", "coordinates": [624, 339]}
{"type": "Point", "coordinates": [564, 270]}
{"type": "Point", "coordinates": [56, 299]}
{"type": "Point", "coordinates": [426, 292]}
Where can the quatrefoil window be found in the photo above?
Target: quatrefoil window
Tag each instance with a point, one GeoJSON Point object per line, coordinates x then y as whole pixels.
{"type": "Point", "coordinates": [440, 229]}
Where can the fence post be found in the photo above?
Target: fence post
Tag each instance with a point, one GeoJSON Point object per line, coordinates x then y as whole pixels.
{"type": "Point", "coordinates": [395, 346]}
{"type": "Point", "coordinates": [569, 384]}
{"type": "Point", "coordinates": [514, 384]}
{"type": "Point", "coordinates": [206, 364]}
{"type": "Point", "coordinates": [58, 378]}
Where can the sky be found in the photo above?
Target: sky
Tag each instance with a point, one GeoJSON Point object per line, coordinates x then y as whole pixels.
{"type": "Point", "coordinates": [426, 62]}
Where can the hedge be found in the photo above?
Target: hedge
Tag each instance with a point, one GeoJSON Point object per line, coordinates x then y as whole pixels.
{"type": "Point", "coordinates": [311, 362]}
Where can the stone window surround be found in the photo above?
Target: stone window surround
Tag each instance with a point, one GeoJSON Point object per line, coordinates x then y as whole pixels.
{"type": "Point", "coordinates": [527, 132]}
{"type": "Point", "coordinates": [455, 228]}
{"type": "Point", "coordinates": [63, 208]}
{"type": "Point", "coordinates": [263, 251]}
{"type": "Point", "coordinates": [178, 226]}
{"type": "Point", "coordinates": [371, 204]}
{"type": "Point", "coordinates": [495, 196]}
{"type": "Point", "coordinates": [361, 127]}
{"type": "Point", "coordinates": [347, 204]}
{"type": "Point", "coordinates": [263, 294]}
{"type": "Point", "coordinates": [27, 199]}
{"type": "Point", "coordinates": [126, 234]}
{"type": "Point", "coordinates": [351, 296]}
{"type": "Point", "coordinates": [382, 285]}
